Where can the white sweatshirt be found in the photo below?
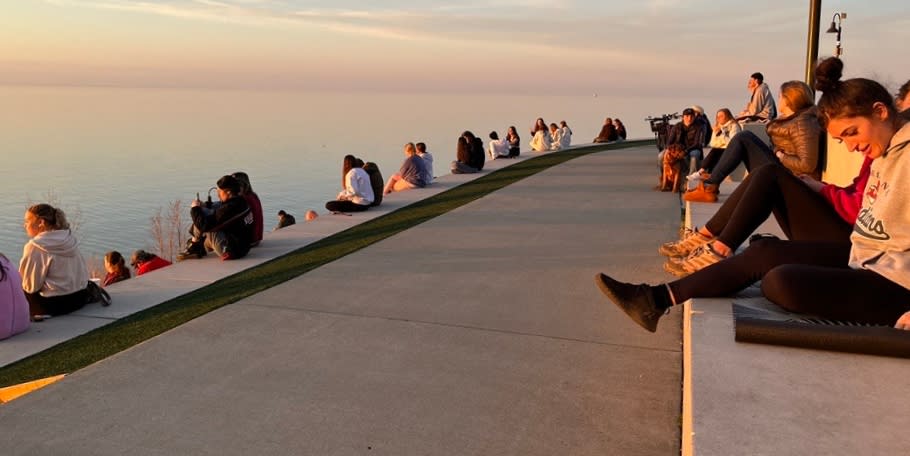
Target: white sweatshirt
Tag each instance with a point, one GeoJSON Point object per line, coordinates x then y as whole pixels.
{"type": "Point", "coordinates": [51, 263]}
{"type": "Point", "coordinates": [357, 188]}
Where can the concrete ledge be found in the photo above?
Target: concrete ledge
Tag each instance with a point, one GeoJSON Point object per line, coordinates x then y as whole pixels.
{"type": "Point", "coordinates": [741, 398]}
{"type": "Point", "coordinates": [149, 290]}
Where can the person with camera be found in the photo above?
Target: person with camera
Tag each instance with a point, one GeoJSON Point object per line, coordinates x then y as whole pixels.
{"type": "Point", "coordinates": [225, 228]}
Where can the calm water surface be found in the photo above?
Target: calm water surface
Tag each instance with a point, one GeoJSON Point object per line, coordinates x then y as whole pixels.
{"type": "Point", "coordinates": [112, 158]}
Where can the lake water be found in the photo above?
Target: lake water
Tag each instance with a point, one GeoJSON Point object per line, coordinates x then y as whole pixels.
{"type": "Point", "coordinates": [113, 157]}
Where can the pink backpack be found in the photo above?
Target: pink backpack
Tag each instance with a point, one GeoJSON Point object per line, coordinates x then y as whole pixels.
{"type": "Point", "coordinates": [14, 317]}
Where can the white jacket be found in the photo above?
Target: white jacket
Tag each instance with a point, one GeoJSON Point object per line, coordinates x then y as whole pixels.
{"type": "Point", "coordinates": [498, 148]}
{"type": "Point", "coordinates": [727, 131]}
{"type": "Point", "coordinates": [51, 263]}
{"type": "Point", "coordinates": [541, 141]}
{"type": "Point", "coordinates": [565, 137]}
{"type": "Point", "coordinates": [357, 188]}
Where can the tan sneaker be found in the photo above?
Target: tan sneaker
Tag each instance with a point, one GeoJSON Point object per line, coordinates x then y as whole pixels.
{"type": "Point", "coordinates": [701, 258]}
{"type": "Point", "coordinates": [683, 247]}
{"type": "Point", "coordinates": [703, 193]}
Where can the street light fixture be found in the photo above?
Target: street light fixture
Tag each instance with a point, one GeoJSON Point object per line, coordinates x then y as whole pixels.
{"type": "Point", "coordinates": [837, 27]}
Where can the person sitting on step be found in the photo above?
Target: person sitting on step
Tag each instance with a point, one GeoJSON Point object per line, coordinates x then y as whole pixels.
{"type": "Point", "coordinates": [252, 199]}
{"type": "Point", "coordinates": [411, 173]}
{"type": "Point", "coordinates": [116, 268]}
{"type": "Point", "coordinates": [54, 276]}
{"type": "Point", "coordinates": [725, 128]}
{"type": "Point", "coordinates": [356, 194]}
{"type": "Point", "coordinates": [796, 143]}
{"type": "Point", "coordinates": [284, 220]}
{"type": "Point", "coordinates": [225, 228]}
{"type": "Point", "coordinates": [146, 262]}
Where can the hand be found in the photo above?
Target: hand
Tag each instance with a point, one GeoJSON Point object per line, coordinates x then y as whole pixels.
{"type": "Point", "coordinates": [780, 155]}
{"type": "Point", "coordinates": [903, 322]}
{"type": "Point", "coordinates": [196, 203]}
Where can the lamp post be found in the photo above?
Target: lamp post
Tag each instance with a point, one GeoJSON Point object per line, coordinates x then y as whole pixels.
{"type": "Point", "coordinates": [837, 26]}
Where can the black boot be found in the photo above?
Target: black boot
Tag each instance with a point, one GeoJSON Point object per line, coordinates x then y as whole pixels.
{"type": "Point", "coordinates": [193, 250]}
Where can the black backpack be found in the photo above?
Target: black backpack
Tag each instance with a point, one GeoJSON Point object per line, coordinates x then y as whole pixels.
{"type": "Point", "coordinates": [376, 181]}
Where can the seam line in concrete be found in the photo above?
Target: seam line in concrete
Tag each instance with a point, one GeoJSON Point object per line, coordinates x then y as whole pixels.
{"type": "Point", "coordinates": [452, 325]}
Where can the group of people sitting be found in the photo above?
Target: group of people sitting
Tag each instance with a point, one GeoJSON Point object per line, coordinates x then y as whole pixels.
{"type": "Point", "coordinates": [797, 142]}
{"type": "Point", "coordinates": [612, 130]}
{"type": "Point", "coordinates": [362, 186]}
{"type": "Point", "coordinates": [141, 261]}
{"type": "Point", "coordinates": [545, 138]}
{"type": "Point", "coordinates": [847, 252]}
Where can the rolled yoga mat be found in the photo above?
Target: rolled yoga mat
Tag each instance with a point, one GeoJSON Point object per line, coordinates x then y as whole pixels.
{"type": "Point", "coordinates": [793, 330]}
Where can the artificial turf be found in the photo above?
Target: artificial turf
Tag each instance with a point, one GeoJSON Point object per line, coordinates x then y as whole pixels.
{"type": "Point", "coordinates": [124, 333]}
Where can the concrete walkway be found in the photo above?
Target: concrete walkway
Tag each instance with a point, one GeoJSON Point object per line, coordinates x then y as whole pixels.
{"type": "Point", "coordinates": [478, 332]}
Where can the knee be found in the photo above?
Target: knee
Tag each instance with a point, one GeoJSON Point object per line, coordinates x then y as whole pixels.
{"type": "Point", "coordinates": [764, 253]}
{"type": "Point", "coordinates": [780, 286]}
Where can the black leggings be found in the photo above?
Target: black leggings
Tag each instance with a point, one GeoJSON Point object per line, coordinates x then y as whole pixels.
{"type": "Point", "coordinates": [345, 206]}
{"type": "Point", "coordinates": [711, 159]}
{"type": "Point", "coordinates": [802, 276]}
{"type": "Point", "coordinates": [746, 148]}
{"type": "Point", "coordinates": [56, 305]}
{"type": "Point", "coordinates": [802, 213]}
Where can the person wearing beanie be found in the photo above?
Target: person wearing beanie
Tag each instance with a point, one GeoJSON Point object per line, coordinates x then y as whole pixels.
{"type": "Point", "coordinates": [225, 228]}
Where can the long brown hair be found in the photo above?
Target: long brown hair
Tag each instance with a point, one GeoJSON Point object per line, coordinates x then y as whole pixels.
{"type": "Point", "coordinates": [348, 163]}
{"type": "Point", "coordinates": [115, 259]}
{"type": "Point", "coordinates": [54, 218]}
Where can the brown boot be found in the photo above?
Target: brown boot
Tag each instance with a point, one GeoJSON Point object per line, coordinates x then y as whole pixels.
{"type": "Point", "coordinates": [703, 193]}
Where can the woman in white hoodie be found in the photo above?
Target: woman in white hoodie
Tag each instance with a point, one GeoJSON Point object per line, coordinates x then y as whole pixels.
{"type": "Point", "coordinates": [54, 277]}
{"type": "Point", "coordinates": [357, 193]}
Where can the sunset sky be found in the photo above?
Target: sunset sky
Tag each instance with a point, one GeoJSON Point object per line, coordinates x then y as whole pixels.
{"type": "Point", "coordinates": [521, 46]}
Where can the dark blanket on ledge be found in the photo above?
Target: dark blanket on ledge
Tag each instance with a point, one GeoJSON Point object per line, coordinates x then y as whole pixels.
{"type": "Point", "coordinates": [781, 328]}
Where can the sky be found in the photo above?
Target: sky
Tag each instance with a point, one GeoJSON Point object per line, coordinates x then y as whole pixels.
{"type": "Point", "coordinates": [647, 47]}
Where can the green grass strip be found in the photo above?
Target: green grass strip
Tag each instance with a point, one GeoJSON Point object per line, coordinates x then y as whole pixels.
{"type": "Point", "coordinates": [124, 333]}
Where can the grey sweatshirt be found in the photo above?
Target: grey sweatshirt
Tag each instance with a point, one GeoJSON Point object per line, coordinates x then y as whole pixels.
{"type": "Point", "coordinates": [881, 236]}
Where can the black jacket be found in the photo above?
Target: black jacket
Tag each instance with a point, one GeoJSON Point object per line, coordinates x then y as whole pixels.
{"type": "Point", "coordinates": [690, 138]}
{"type": "Point", "coordinates": [233, 218]}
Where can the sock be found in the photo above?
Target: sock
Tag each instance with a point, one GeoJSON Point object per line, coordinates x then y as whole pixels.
{"type": "Point", "coordinates": [661, 296]}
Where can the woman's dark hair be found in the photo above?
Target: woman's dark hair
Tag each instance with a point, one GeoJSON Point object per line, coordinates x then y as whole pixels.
{"type": "Point", "coordinates": [851, 98]}
{"type": "Point", "coordinates": [54, 218]}
{"type": "Point", "coordinates": [494, 135]}
{"type": "Point", "coordinates": [512, 130]}
{"type": "Point", "coordinates": [244, 180]}
{"type": "Point", "coordinates": [115, 259]}
{"type": "Point", "coordinates": [348, 163]}
{"type": "Point", "coordinates": [468, 136]}
{"type": "Point", "coordinates": [462, 153]}
{"type": "Point", "coordinates": [230, 184]}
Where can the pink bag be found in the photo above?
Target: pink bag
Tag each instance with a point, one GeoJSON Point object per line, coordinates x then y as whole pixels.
{"type": "Point", "coordinates": [14, 317]}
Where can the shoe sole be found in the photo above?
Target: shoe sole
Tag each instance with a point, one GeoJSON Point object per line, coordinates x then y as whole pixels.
{"type": "Point", "coordinates": [601, 284]}
{"type": "Point", "coordinates": [675, 270]}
